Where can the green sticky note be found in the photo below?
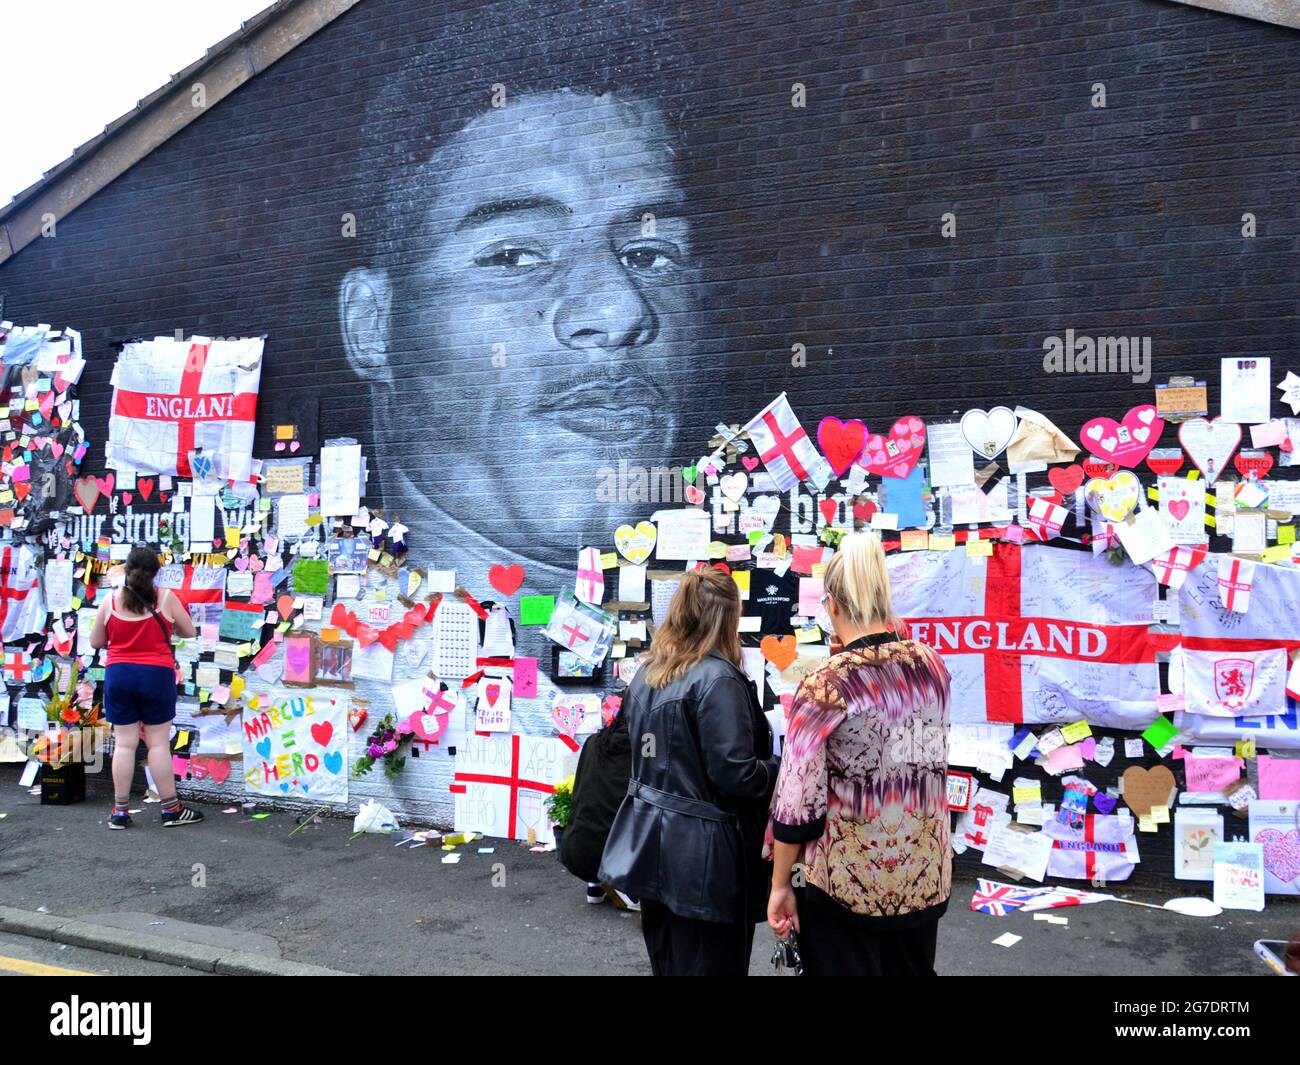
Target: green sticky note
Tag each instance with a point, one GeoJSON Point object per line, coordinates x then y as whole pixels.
{"type": "Point", "coordinates": [1160, 732]}
{"type": "Point", "coordinates": [536, 609]}
{"type": "Point", "coordinates": [1286, 534]}
{"type": "Point", "coordinates": [311, 576]}
{"type": "Point", "coordinates": [260, 817]}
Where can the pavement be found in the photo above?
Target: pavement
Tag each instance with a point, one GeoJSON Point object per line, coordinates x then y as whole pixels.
{"type": "Point", "coordinates": [238, 895]}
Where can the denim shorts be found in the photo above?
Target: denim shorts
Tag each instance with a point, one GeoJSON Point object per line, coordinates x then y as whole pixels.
{"type": "Point", "coordinates": [134, 694]}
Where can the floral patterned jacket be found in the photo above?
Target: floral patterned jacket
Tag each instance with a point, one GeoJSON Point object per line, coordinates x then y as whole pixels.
{"type": "Point", "coordinates": [863, 775]}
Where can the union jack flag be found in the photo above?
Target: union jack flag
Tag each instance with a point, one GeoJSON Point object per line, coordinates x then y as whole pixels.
{"type": "Point", "coordinates": [998, 900]}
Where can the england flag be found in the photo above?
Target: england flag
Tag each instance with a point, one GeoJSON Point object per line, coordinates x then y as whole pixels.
{"type": "Point", "coordinates": [785, 449]}
{"type": "Point", "coordinates": [1038, 635]}
{"type": "Point", "coordinates": [173, 397]}
{"type": "Point", "coordinates": [22, 603]}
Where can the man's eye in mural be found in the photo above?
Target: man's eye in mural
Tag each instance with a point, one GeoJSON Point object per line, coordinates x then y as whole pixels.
{"type": "Point", "coordinates": [515, 258]}
{"type": "Point", "coordinates": [651, 257]}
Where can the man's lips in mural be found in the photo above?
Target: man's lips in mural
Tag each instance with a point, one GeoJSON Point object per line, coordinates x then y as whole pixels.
{"type": "Point", "coordinates": [618, 410]}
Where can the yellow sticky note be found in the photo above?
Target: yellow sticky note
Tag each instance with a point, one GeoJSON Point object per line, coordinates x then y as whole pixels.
{"type": "Point", "coordinates": [819, 569]}
{"type": "Point", "coordinates": [976, 548]}
{"type": "Point", "coordinates": [812, 634]}
{"type": "Point", "coordinates": [1153, 494]}
{"type": "Point", "coordinates": [254, 701]}
{"type": "Point", "coordinates": [232, 536]}
{"type": "Point", "coordinates": [609, 559]}
{"type": "Point", "coordinates": [236, 686]}
{"type": "Point", "coordinates": [942, 543]}
{"type": "Point", "coordinates": [1275, 554]}
{"type": "Point", "coordinates": [1146, 824]}
{"type": "Point", "coordinates": [374, 554]}
{"type": "Point", "coordinates": [182, 737]}
{"type": "Point", "coordinates": [1286, 534]}
{"type": "Point", "coordinates": [741, 577]}
{"type": "Point", "coordinates": [284, 432]}
{"type": "Point", "coordinates": [1160, 815]}
{"type": "Point", "coordinates": [1076, 731]}
{"type": "Point", "coordinates": [76, 602]}
{"type": "Point", "coordinates": [1029, 793]}
{"type": "Point", "coordinates": [329, 635]}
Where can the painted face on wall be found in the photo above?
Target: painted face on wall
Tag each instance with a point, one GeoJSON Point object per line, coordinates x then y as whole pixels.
{"type": "Point", "coordinates": [539, 325]}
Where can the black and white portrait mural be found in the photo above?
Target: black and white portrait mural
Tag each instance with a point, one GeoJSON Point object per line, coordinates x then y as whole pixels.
{"type": "Point", "coordinates": [534, 259]}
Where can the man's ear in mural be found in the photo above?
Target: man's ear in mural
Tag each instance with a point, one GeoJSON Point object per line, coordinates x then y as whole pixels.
{"type": "Point", "coordinates": [365, 312]}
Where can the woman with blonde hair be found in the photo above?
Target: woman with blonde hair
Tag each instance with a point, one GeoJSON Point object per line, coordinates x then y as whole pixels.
{"type": "Point", "coordinates": [860, 803]}
{"type": "Point", "coordinates": [687, 839]}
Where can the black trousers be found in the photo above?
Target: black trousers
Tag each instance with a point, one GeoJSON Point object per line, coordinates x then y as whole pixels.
{"type": "Point", "coordinates": [834, 941]}
{"type": "Point", "coordinates": [684, 946]}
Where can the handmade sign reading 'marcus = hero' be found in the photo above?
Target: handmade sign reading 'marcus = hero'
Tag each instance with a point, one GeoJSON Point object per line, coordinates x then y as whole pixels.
{"type": "Point", "coordinates": [296, 747]}
{"type": "Point", "coordinates": [502, 782]}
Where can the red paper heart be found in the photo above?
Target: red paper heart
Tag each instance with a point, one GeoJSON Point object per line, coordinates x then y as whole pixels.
{"type": "Point", "coordinates": [492, 692]}
{"type": "Point", "coordinates": [322, 732]}
{"type": "Point", "coordinates": [285, 606]}
{"type": "Point", "coordinates": [1165, 466]}
{"type": "Point", "coordinates": [829, 509]}
{"type": "Point", "coordinates": [1065, 479]}
{"type": "Point", "coordinates": [864, 509]}
{"type": "Point", "coordinates": [145, 485]}
{"type": "Point", "coordinates": [216, 768]}
{"type": "Point", "coordinates": [389, 638]}
{"type": "Point", "coordinates": [1247, 463]}
{"type": "Point", "coordinates": [841, 443]}
{"type": "Point", "coordinates": [1096, 468]}
{"type": "Point", "coordinates": [506, 579]}
{"type": "Point", "coordinates": [106, 483]}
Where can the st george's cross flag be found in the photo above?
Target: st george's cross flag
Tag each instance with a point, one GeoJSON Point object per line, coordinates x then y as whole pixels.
{"type": "Point", "coordinates": [1172, 567]}
{"type": "Point", "coordinates": [22, 603]}
{"type": "Point", "coordinates": [173, 397]}
{"type": "Point", "coordinates": [1231, 666]}
{"type": "Point", "coordinates": [784, 447]}
{"type": "Point", "coordinates": [1035, 635]}
{"type": "Point", "coordinates": [201, 587]}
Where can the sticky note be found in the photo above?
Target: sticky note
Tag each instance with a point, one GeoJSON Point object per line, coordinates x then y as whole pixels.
{"type": "Point", "coordinates": [1286, 534]}
{"type": "Point", "coordinates": [1160, 815]}
{"type": "Point", "coordinates": [976, 548]}
{"type": "Point", "coordinates": [1028, 793]}
{"type": "Point", "coordinates": [942, 543]}
{"type": "Point", "coordinates": [1076, 731]}
{"type": "Point", "coordinates": [1159, 732]}
{"type": "Point", "coordinates": [536, 609]}
{"type": "Point", "coordinates": [609, 560]}
{"type": "Point", "coordinates": [1146, 823]}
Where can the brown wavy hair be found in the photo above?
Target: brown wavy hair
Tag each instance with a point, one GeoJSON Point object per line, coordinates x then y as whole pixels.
{"type": "Point", "coordinates": [138, 592]}
{"type": "Point", "coordinates": [704, 616]}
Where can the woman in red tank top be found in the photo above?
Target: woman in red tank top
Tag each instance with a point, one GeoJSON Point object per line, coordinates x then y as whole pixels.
{"type": "Point", "coordinates": [135, 623]}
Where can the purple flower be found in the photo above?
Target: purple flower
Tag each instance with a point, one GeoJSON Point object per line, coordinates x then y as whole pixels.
{"type": "Point", "coordinates": [390, 747]}
{"type": "Point", "coordinates": [375, 751]}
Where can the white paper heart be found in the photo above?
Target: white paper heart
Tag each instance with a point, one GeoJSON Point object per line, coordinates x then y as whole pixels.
{"type": "Point", "coordinates": [989, 432]}
{"type": "Point", "coordinates": [760, 514]}
{"type": "Point", "coordinates": [733, 485]}
{"type": "Point", "coordinates": [1210, 444]}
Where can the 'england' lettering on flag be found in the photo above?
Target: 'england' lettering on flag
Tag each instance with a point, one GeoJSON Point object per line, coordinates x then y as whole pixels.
{"type": "Point", "coordinates": [1040, 635]}
{"type": "Point", "coordinates": [173, 397]}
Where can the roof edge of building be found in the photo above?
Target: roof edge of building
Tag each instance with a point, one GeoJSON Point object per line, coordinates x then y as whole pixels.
{"type": "Point", "coordinates": [257, 44]}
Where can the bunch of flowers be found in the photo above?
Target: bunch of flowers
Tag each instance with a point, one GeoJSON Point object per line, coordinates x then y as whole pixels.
{"type": "Point", "coordinates": [73, 707]}
{"type": "Point", "coordinates": [385, 744]}
{"type": "Point", "coordinates": [559, 803]}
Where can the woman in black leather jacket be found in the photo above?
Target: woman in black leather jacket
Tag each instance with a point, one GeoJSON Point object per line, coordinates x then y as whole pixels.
{"type": "Point", "coordinates": [687, 839]}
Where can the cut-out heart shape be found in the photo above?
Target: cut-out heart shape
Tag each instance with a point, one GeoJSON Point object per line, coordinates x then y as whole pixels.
{"type": "Point", "coordinates": [241, 563]}
{"type": "Point", "coordinates": [86, 489]}
{"type": "Point", "coordinates": [285, 606]}
{"type": "Point", "coordinates": [1210, 444]}
{"type": "Point", "coordinates": [322, 732]}
{"type": "Point", "coordinates": [1145, 788]}
{"type": "Point", "coordinates": [106, 483]}
{"type": "Point", "coordinates": [1179, 508]}
{"type": "Point", "coordinates": [989, 432]}
{"type": "Point", "coordinates": [1165, 461]}
{"type": "Point", "coordinates": [733, 486]}
{"type": "Point", "coordinates": [694, 495]}
{"type": "Point", "coordinates": [897, 454]}
{"type": "Point", "coordinates": [126, 498]}
{"type": "Point", "coordinates": [506, 579]}
{"type": "Point", "coordinates": [863, 509]}
{"type": "Point", "coordinates": [426, 725]}
{"type": "Point", "coordinates": [841, 442]}
{"type": "Point", "coordinates": [749, 462]}
{"type": "Point", "coordinates": [1124, 443]}
{"type": "Point", "coordinates": [1114, 498]}
{"type": "Point", "coordinates": [1096, 468]}
{"type": "Point", "coordinates": [1065, 479]}
{"type": "Point", "coordinates": [145, 485]}
{"type": "Point", "coordinates": [1281, 853]}
{"type": "Point", "coordinates": [689, 473]}
{"type": "Point", "coordinates": [636, 543]}
{"type": "Point", "coordinates": [1253, 463]}
{"type": "Point", "coordinates": [781, 651]}
{"type": "Point", "coordinates": [570, 712]}
{"type": "Point", "coordinates": [830, 510]}
{"type": "Point", "coordinates": [216, 768]}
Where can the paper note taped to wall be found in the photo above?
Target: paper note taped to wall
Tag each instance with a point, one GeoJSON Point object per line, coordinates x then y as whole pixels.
{"type": "Point", "coordinates": [683, 535]}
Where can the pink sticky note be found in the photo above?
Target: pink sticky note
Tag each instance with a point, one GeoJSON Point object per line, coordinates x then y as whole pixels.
{"type": "Point", "coordinates": [263, 590]}
{"type": "Point", "coordinates": [805, 558]}
{"type": "Point", "coordinates": [1270, 434]}
{"type": "Point", "coordinates": [1211, 774]}
{"type": "Point", "coordinates": [526, 678]}
{"type": "Point", "coordinates": [1089, 747]}
{"type": "Point", "coordinates": [1279, 778]}
{"type": "Point", "coordinates": [1170, 702]}
{"type": "Point", "coordinates": [1067, 757]}
{"type": "Point", "coordinates": [279, 445]}
{"type": "Point", "coordinates": [268, 652]}
{"type": "Point", "coordinates": [1014, 534]}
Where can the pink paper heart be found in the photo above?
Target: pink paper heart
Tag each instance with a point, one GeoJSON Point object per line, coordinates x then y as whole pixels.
{"type": "Point", "coordinates": [1179, 508]}
{"type": "Point", "coordinates": [126, 498]}
{"type": "Point", "coordinates": [749, 462]}
{"type": "Point", "coordinates": [256, 564]}
{"type": "Point", "coordinates": [106, 484]}
{"type": "Point", "coordinates": [294, 445]}
{"type": "Point", "coordinates": [1124, 443]}
{"type": "Point", "coordinates": [694, 495]}
{"type": "Point", "coordinates": [1281, 853]}
{"type": "Point", "coordinates": [897, 454]}
{"type": "Point", "coordinates": [241, 563]}
{"type": "Point", "coordinates": [56, 449]}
